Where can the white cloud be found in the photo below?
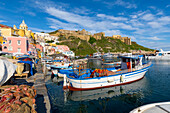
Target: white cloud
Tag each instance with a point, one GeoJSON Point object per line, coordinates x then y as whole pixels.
{"type": "Point", "coordinates": [138, 24]}
{"type": "Point", "coordinates": [155, 38]}
{"type": "Point", "coordinates": [2, 21]}
{"type": "Point", "coordinates": [112, 32]}
{"type": "Point", "coordinates": [165, 19]}
{"type": "Point", "coordinates": [168, 6]}
{"type": "Point", "coordinates": [123, 26]}
{"type": "Point", "coordinates": [31, 13]}
{"type": "Point", "coordinates": [120, 3]}
{"type": "Point", "coordinates": [154, 24]}
{"type": "Point", "coordinates": [70, 17]}
{"type": "Point", "coordinates": [56, 24]}
{"type": "Point", "coordinates": [111, 17]}
{"type": "Point", "coordinates": [152, 7]}
{"type": "Point", "coordinates": [121, 13]}
{"type": "Point", "coordinates": [82, 10]}
{"type": "Point", "coordinates": [125, 4]}
{"type": "Point", "coordinates": [148, 17]}
{"type": "Point", "coordinates": [39, 30]}
{"type": "Point", "coordinates": [133, 16]}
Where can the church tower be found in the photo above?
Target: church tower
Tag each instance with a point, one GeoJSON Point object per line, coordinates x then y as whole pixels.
{"type": "Point", "coordinates": [23, 26]}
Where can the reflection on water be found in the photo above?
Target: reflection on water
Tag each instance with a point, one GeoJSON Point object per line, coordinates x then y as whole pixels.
{"type": "Point", "coordinates": [154, 87]}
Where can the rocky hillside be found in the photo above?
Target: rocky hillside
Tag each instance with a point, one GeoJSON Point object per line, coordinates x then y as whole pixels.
{"type": "Point", "coordinates": [82, 47]}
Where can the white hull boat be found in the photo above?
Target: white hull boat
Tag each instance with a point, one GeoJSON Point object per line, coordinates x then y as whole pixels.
{"type": "Point", "coordinates": [109, 79]}
{"type": "Point", "coordinates": [162, 107]}
{"type": "Point", "coordinates": [162, 55]}
{"type": "Point", "coordinates": [103, 93]}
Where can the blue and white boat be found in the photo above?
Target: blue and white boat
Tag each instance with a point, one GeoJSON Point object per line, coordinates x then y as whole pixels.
{"type": "Point", "coordinates": [63, 72]}
{"type": "Point", "coordinates": [132, 69]}
{"type": "Point", "coordinates": [108, 55]}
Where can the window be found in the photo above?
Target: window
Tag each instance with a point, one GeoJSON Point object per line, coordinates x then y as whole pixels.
{"type": "Point", "coordinates": [19, 42]}
{"type": "Point", "coordinates": [10, 48]}
{"type": "Point", "coordinates": [10, 42]}
{"type": "Point", "coordinates": [19, 50]}
{"type": "Point", "coordinates": [5, 47]}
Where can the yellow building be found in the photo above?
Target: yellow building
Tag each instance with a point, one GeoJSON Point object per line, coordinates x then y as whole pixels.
{"type": "Point", "coordinates": [23, 26]}
{"type": "Point", "coordinates": [116, 36]}
{"type": "Point", "coordinates": [98, 36]}
{"type": "Point", "coordinates": [9, 31]}
{"type": "Point", "coordinates": [1, 40]}
{"type": "Point", "coordinates": [126, 40]}
{"type": "Point", "coordinates": [6, 31]}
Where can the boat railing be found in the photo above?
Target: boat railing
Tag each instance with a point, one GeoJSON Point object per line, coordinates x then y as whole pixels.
{"type": "Point", "coordinates": [133, 69]}
{"type": "Point", "coordinates": [147, 64]}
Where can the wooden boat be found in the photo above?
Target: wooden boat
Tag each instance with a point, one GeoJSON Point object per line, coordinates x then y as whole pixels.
{"type": "Point", "coordinates": [132, 69]}
{"type": "Point", "coordinates": [103, 93]}
{"type": "Point", "coordinates": [161, 107]}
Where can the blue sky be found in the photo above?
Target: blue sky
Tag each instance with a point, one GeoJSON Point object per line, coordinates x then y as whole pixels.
{"type": "Point", "coordinates": [146, 21]}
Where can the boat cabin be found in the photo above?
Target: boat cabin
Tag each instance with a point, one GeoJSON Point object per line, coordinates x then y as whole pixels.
{"type": "Point", "coordinates": [131, 62]}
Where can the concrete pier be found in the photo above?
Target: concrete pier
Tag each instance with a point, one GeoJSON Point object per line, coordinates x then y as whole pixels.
{"type": "Point", "coordinates": [42, 99]}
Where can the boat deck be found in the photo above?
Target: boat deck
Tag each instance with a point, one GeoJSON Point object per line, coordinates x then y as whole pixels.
{"type": "Point", "coordinates": [153, 108]}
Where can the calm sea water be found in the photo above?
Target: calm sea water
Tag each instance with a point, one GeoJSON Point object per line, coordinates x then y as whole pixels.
{"type": "Point", "coordinates": [154, 87]}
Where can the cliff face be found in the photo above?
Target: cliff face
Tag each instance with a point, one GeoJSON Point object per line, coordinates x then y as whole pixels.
{"type": "Point", "coordinates": [83, 47]}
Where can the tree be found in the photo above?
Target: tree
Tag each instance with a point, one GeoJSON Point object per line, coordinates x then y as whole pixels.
{"type": "Point", "coordinates": [92, 40]}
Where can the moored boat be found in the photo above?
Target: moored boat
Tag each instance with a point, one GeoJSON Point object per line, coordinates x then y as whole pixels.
{"type": "Point", "coordinates": [132, 69]}
{"type": "Point", "coordinates": [161, 107]}
{"type": "Point", "coordinates": [162, 55]}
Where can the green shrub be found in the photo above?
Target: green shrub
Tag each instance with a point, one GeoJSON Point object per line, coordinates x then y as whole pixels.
{"type": "Point", "coordinates": [92, 40]}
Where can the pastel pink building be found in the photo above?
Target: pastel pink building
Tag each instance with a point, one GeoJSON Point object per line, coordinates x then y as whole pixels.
{"type": "Point", "coordinates": [31, 49]}
{"type": "Point", "coordinates": [62, 48]}
{"type": "Point", "coordinates": [16, 45]}
{"type": "Point", "coordinates": [40, 47]}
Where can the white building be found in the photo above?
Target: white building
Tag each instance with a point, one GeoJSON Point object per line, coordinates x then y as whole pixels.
{"type": "Point", "coordinates": [47, 36]}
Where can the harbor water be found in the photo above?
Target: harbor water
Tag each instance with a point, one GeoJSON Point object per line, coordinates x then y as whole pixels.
{"type": "Point", "coordinates": [154, 87]}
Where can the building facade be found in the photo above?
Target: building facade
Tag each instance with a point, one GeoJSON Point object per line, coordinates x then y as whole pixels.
{"type": "Point", "coordinates": [16, 45]}
{"type": "Point", "coordinates": [126, 40]}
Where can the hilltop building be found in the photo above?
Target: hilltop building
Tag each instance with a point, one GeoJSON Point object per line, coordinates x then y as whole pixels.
{"type": "Point", "coordinates": [85, 35]}
{"type": "Point", "coordinates": [126, 40]}
{"type": "Point", "coordinates": [98, 36]}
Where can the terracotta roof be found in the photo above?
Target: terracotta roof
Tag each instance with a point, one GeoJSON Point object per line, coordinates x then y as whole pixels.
{"type": "Point", "coordinates": [4, 26]}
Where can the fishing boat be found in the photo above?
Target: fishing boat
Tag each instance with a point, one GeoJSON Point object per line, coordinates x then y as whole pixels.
{"type": "Point", "coordinates": [132, 69]}
{"type": "Point", "coordinates": [103, 93]}
{"type": "Point", "coordinates": [160, 107]}
{"type": "Point", "coordinates": [60, 65]}
{"type": "Point", "coordinates": [63, 72]}
{"type": "Point", "coordinates": [97, 55]}
{"type": "Point", "coordinates": [108, 55]}
{"type": "Point", "coordinates": [162, 55]}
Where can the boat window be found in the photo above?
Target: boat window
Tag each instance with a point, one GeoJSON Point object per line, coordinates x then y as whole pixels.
{"type": "Point", "coordinates": [168, 53]}
{"type": "Point", "coordinates": [123, 60]}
